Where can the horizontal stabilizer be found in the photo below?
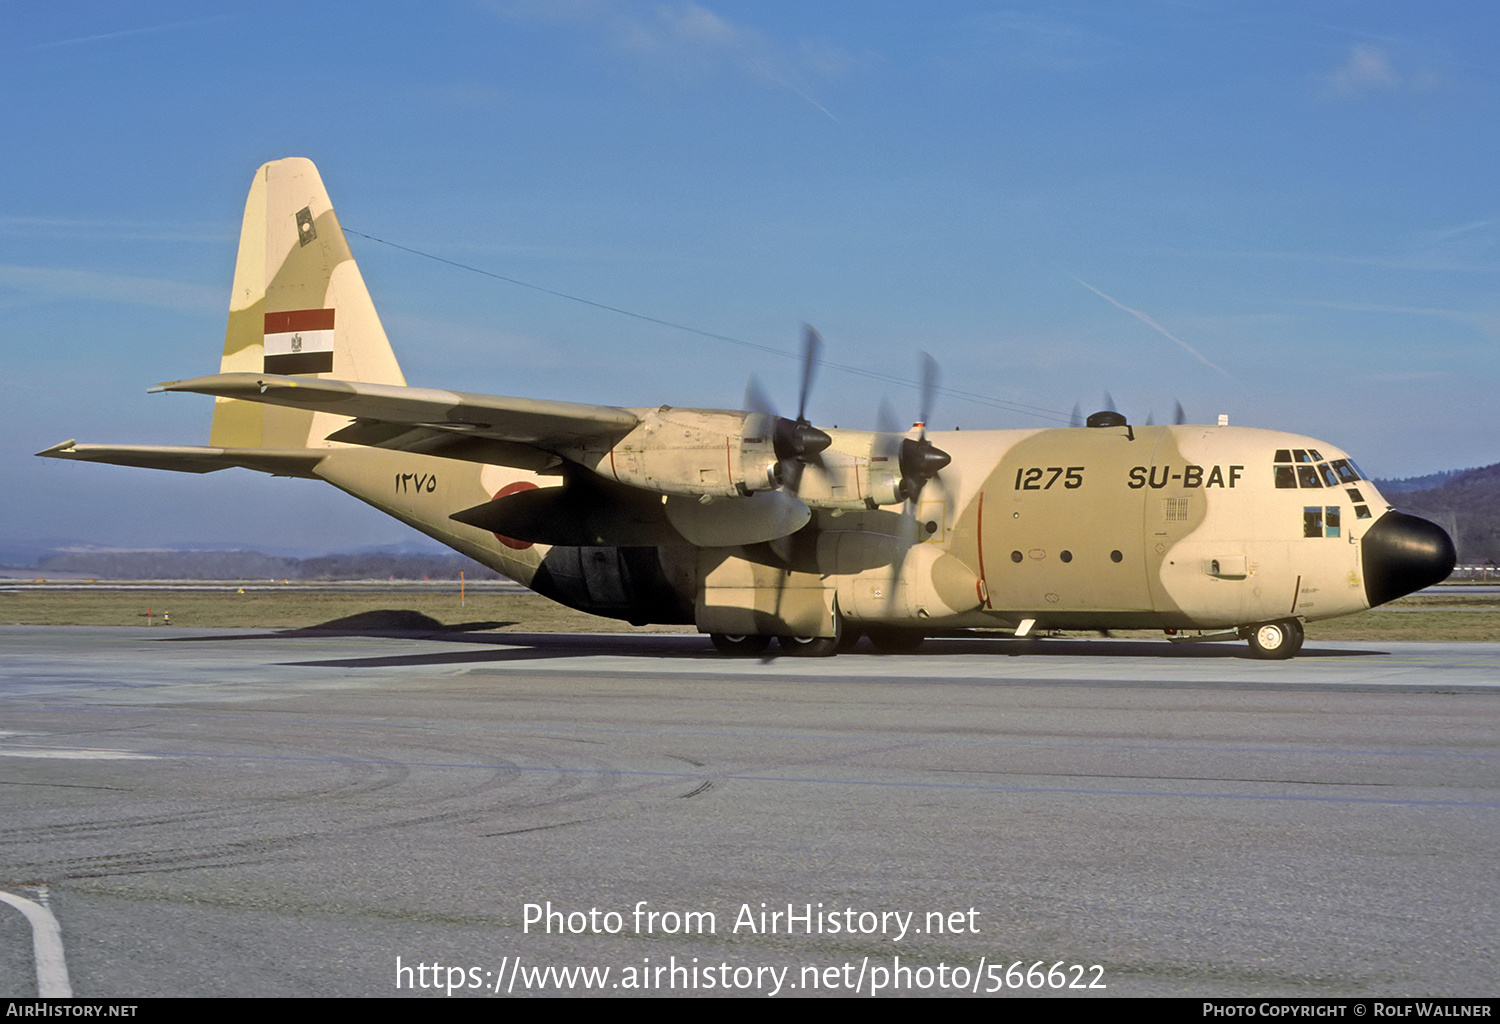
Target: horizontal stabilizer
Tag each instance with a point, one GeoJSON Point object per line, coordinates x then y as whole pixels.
{"type": "Point", "coordinates": [192, 458]}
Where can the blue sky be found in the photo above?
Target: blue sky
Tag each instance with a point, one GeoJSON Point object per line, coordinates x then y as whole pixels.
{"type": "Point", "coordinates": [1287, 212]}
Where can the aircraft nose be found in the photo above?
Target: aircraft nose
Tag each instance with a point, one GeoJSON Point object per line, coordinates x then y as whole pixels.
{"type": "Point", "coordinates": [1403, 553]}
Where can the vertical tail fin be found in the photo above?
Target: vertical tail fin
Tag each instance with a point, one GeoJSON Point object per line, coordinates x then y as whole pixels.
{"type": "Point", "coordinates": [299, 306]}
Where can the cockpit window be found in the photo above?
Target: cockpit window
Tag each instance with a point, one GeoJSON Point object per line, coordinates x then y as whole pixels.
{"type": "Point", "coordinates": [1346, 471]}
{"type": "Point", "coordinates": [1304, 467]}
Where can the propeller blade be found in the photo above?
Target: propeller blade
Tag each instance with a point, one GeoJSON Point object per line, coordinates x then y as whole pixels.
{"type": "Point", "coordinates": [1109, 403]}
{"type": "Point", "coordinates": [756, 399]}
{"type": "Point", "coordinates": [1179, 417]}
{"type": "Point", "coordinates": [929, 386]}
{"type": "Point", "coordinates": [1076, 420]}
{"type": "Point", "coordinates": [812, 344]}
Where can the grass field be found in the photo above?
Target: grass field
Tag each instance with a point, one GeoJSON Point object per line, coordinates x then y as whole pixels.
{"type": "Point", "coordinates": [293, 607]}
{"type": "Point", "coordinates": [1457, 616]}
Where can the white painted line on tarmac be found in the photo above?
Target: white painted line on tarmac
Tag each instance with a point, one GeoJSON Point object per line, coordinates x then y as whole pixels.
{"type": "Point", "coordinates": [75, 753]}
{"type": "Point", "coordinates": [46, 943]}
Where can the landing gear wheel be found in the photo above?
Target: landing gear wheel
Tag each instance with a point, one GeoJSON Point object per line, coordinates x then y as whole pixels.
{"type": "Point", "coordinates": [809, 646]}
{"type": "Point", "coordinates": [744, 646]}
{"type": "Point", "coordinates": [896, 641]}
{"type": "Point", "coordinates": [1275, 640]}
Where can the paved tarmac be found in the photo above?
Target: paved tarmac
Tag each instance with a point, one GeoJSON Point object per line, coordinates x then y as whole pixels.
{"type": "Point", "coordinates": [239, 812]}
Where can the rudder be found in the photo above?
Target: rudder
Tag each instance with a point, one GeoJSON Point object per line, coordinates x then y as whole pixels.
{"type": "Point", "coordinates": [298, 306]}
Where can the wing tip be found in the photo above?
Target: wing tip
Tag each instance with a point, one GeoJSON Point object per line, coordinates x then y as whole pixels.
{"type": "Point", "coordinates": [59, 450]}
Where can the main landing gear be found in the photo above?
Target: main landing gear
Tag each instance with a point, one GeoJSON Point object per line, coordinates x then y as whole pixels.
{"type": "Point", "coordinates": [1274, 640]}
{"type": "Point", "coordinates": [750, 645]}
{"type": "Point", "coordinates": [746, 646]}
{"type": "Point", "coordinates": [886, 641]}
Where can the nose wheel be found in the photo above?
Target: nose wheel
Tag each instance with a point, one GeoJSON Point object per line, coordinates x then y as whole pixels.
{"type": "Point", "coordinates": [1274, 641]}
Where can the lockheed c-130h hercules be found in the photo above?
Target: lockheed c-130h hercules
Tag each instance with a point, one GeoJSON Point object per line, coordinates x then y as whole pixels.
{"type": "Point", "coordinates": [753, 526]}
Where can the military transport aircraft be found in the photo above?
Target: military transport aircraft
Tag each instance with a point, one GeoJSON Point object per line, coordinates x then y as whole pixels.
{"type": "Point", "coordinates": [752, 526]}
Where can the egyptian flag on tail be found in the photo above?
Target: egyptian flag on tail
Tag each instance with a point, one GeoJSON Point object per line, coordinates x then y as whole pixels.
{"type": "Point", "coordinates": [299, 341]}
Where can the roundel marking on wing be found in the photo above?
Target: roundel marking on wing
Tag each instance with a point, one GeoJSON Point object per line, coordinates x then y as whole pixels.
{"type": "Point", "coordinates": [509, 489]}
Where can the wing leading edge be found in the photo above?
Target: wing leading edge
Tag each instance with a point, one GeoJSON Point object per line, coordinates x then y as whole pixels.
{"type": "Point", "coordinates": [521, 432]}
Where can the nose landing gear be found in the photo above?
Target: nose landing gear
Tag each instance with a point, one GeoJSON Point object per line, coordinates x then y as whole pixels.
{"type": "Point", "coordinates": [1274, 641]}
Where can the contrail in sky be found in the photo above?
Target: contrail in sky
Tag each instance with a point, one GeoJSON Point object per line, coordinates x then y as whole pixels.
{"type": "Point", "coordinates": [1143, 318]}
{"type": "Point", "coordinates": [149, 30]}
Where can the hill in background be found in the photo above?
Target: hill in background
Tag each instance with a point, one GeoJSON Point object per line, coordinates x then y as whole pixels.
{"type": "Point", "coordinates": [1466, 504]}
{"type": "Point", "coordinates": [166, 564]}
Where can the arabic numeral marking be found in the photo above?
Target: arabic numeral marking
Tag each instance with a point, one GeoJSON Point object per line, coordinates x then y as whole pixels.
{"type": "Point", "coordinates": [417, 482]}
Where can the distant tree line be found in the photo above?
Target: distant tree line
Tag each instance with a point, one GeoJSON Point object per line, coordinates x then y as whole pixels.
{"type": "Point", "coordinates": [254, 565]}
{"type": "Point", "coordinates": [1467, 505]}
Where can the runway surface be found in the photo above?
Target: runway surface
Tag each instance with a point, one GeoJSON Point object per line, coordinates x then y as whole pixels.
{"type": "Point", "coordinates": [233, 812]}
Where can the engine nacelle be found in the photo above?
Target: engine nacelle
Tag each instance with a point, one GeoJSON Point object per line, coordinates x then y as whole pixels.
{"type": "Point", "coordinates": [690, 452]}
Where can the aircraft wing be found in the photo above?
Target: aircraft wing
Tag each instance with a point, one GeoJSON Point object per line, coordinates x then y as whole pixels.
{"type": "Point", "coordinates": [520, 432]}
{"type": "Point", "coordinates": [192, 458]}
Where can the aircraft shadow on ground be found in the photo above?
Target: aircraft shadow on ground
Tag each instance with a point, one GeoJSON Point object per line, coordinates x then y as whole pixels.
{"type": "Point", "coordinates": [524, 647]}
{"type": "Point", "coordinates": [388, 622]}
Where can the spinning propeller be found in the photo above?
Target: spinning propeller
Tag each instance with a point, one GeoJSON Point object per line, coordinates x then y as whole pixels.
{"type": "Point", "coordinates": [797, 443]}
{"type": "Point", "coordinates": [920, 460]}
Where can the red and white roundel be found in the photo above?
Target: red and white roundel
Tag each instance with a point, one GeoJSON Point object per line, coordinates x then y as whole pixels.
{"type": "Point", "coordinates": [509, 489]}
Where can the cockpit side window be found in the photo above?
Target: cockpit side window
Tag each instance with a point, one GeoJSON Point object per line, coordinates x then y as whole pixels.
{"type": "Point", "coordinates": [1321, 521]}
